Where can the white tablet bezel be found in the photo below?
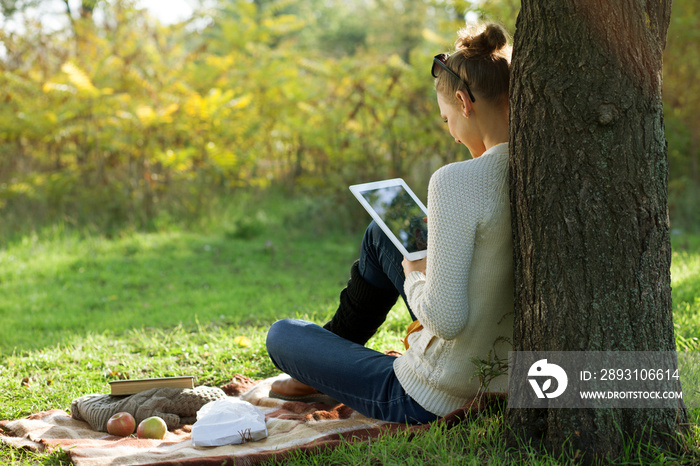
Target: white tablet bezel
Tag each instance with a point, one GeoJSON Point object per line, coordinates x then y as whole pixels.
{"type": "Point", "coordinates": [358, 189]}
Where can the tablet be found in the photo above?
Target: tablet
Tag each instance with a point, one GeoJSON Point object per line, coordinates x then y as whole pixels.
{"type": "Point", "coordinates": [398, 212]}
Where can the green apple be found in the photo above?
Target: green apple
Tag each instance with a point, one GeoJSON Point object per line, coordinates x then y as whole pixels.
{"type": "Point", "coordinates": [121, 424]}
{"type": "Point", "coordinates": [152, 427]}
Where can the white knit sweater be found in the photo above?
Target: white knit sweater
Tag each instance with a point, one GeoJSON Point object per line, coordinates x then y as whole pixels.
{"type": "Point", "coordinates": [465, 298]}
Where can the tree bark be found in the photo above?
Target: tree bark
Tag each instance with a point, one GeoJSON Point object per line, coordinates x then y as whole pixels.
{"type": "Point", "coordinates": [589, 177]}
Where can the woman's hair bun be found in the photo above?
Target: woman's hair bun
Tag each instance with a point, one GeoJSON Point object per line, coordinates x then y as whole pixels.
{"type": "Point", "coordinates": [482, 61]}
{"type": "Point", "coordinates": [481, 42]}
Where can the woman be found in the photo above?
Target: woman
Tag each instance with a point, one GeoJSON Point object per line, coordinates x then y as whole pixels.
{"type": "Point", "coordinates": [461, 294]}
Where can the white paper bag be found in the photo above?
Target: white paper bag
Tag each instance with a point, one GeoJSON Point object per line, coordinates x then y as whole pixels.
{"type": "Point", "coordinates": [228, 421]}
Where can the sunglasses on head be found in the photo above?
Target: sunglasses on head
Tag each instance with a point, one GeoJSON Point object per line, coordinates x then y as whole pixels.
{"type": "Point", "coordinates": [441, 60]}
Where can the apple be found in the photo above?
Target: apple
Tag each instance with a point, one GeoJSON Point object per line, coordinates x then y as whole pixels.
{"type": "Point", "coordinates": [121, 424]}
{"type": "Point", "coordinates": [152, 427]}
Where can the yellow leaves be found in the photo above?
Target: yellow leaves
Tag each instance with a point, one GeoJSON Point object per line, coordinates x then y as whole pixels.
{"type": "Point", "coordinates": [241, 102]}
{"type": "Point", "coordinates": [242, 341]}
{"type": "Point", "coordinates": [22, 188]}
{"type": "Point", "coordinates": [145, 114]}
{"type": "Point", "coordinates": [178, 159]}
{"type": "Point", "coordinates": [78, 78]}
{"type": "Point", "coordinates": [148, 116]}
{"type": "Point", "coordinates": [435, 38]}
{"type": "Point", "coordinates": [315, 66]}
{"type": "Point", "coordinates": [306, 107]}
{"type": "Point", "coordinates": [396, 62]}
{"type": "Point", "coordinates": [346, 83]}
{"type": "Point", "coordinates": [169, 110]}
{"type": "Point", "coordinates": [216, 103]}
{"type": "Point", "coordinates": [220, 62]}
{"type": "Point", "coordinates": [354, 126]}
{"type": "Point", "coordinates": [203, 106]}
{"type": "Point", "coordinates": [284, 24]}
{"type": "Point", "coordinates": [79, 81]}
{"type": "Point", "coordinates": [51, 86]}
{"type": "Point", "coordinates": [223, 158]}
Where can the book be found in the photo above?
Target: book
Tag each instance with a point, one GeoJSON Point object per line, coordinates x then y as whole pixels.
{"type": "Point", "coordinates": [131, 386]}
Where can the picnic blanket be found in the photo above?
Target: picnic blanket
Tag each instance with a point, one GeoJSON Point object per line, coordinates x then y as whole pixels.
{"type": "Point", "coordinates": [292, 427]}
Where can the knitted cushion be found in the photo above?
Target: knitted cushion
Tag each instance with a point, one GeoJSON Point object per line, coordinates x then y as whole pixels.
{"type": "Point", "coordinates": [176, 406]}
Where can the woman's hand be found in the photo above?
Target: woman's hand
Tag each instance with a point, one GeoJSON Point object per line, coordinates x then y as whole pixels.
{"type": "Point", "coordinates": [413, 266]}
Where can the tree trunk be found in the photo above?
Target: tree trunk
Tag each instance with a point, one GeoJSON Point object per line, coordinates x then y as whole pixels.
{"type": "Point", "coordinates": [589, 176]}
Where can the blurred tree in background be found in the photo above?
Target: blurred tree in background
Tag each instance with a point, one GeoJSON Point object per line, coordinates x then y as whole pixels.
{"type": "Point", "coordinates": [681, 104]}
{"type": "Point", "coordinates": [116, 121]}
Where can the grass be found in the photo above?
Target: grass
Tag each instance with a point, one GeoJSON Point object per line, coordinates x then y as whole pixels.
{"type": "Point", "coordinates": [250, 268]}
{"type": "Point", "coordinates": [79, 310]}
{"type": "Point", "coordinates": [685, 280]}
{"type": "Point", "coordinates": [60, 288]}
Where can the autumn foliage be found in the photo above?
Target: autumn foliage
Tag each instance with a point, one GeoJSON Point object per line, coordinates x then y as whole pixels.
{"type": "Point", "coordinates": [116, 120]}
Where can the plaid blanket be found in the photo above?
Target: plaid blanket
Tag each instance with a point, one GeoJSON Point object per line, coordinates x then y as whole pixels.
{"type": "Point", "coordinates": [292, 427]}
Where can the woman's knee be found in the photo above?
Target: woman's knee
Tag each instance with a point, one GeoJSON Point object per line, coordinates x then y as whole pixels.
{"type": "Point", "coordinates": [284, 334]}
{"type": "Point", "coordinates": [276, 340]}
{"type": "Point", "coordinates": [277, 333]}
{"type": "Point", "coordinates": [289, 340]}
{"type": "Point", "coordinates": [374, 235]}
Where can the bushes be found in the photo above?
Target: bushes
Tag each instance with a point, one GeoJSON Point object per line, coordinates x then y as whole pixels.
{"type": "Point", "coordinates": [117, 125]}
{"type": "Point", "coordinates": [124, 123]}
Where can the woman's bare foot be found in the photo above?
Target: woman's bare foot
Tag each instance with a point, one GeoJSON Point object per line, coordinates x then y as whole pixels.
{"type": "Point", "coordinates": [292, 387]}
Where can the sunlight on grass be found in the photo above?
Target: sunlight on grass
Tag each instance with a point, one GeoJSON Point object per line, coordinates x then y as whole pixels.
{"type": "Point", "coordinates": [685, 280]}
{"type": "Point", "coordinates": [54, 291]}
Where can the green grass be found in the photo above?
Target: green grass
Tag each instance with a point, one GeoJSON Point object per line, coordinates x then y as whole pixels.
{"type": "Point", "coordinates": [78, 310]}
{"type": "Point", "coordinates": [685, 280]}
{"type": "Point", "coordinates": [53, 290]}
{"type": "Point", "coordinates": [246, 270]}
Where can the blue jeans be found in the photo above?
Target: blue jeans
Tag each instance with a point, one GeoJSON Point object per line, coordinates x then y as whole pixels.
{"type": "Point", "coordinates": [360, 377]}
{"type": "Point", "coordinates": [380, 262]}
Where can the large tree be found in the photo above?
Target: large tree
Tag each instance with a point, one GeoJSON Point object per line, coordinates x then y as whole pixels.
{"type": "Point", "coordinates": [589, 204]}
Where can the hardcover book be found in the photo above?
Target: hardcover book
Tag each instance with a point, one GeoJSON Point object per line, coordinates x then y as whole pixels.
{"type": "Point", "coordinates": [131, 386]}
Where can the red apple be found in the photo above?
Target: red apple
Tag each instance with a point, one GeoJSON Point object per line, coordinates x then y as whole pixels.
{"type": "Point", "coordinates": [121, 424]}
{"type": "Point", "coordinates": [152, 427]}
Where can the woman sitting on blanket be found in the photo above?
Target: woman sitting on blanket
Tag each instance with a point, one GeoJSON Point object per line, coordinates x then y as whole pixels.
{"type": "Point", "coordinates": [460, 297]}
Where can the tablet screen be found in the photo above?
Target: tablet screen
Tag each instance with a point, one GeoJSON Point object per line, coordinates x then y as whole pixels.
{"type": "Point", "coordinates": [401, 214]}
